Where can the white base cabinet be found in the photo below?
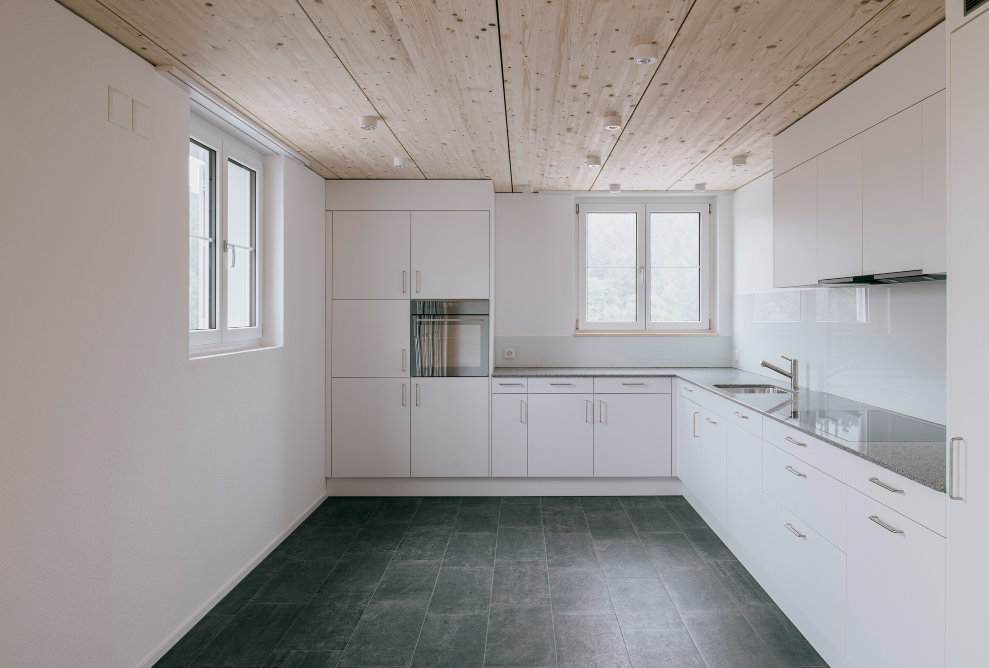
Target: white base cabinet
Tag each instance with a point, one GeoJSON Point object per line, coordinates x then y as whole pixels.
{"type": "Point", "coordinates": [632, 435]}
{"type": "Point", "coordinates": [370, 427]}
{"type": "Point", "coordinates": [714, 464]}
{"type": "Point", "coordinates": [744, 488]}
{"type": "Point", "coordinates": [509, 436]}
{"type": "Point", "coordinates": [561, 435]}
{"type": "Point", "coordinates": [450, 427]}
{"type": "Point", "coordinates": [689, 444]}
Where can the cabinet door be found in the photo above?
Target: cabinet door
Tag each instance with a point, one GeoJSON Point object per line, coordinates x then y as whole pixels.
{"type": "Point", "coordinates": [795, 226]}
{"type": "Point", "coordinates": [744, 488]}
{"type": "Point", "coordinates": [839, 210]}
{"type": "Point", "coordinates": [892, 194]}
{"type": "Point", "coordinates": [509, 436]}
{"type": "Point", "coordinates": [714, 464]}
{"type": "Point", "coordinates": [896, 591]}
{"type": "Point", "coordinates": [371, 251]}
{"type": "Point", "coordinates": [689, 445]}
{"type": "Point", "coordinates": [370, 338]}
{"type": "Point", "coordinates": [934, 110]}
{"type": "Point", "coordinates": [561, 436]}
{"type": "Point", "coordinates": [370, 425]}
{"type": "Point", "coordinates": [450, 254]}
{"type": "Point", "coordinates": [450, 427]}
{"type": "Point", "coordinates": [633, 435]}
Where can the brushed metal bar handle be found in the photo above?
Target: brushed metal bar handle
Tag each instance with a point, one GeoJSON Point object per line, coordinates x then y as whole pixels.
{"type": "Point", "coordinates": [521, 411]}
{"type": "Point", "coordinates": [710, 420]}
{"type": "Point", "coordinates": [744, 417]}
{"type": "Point", "coordinates": [418, 282]}
{"type": "Point", "coordinates": [687, 389]}
{"type": "Point", "coordinates": [403, 359]}
{"type": "Point", "coordinates": [877, 481]}
{"type": "Point", "coordinates": [562, 384]}
{"type": "Point", "coordinates": [600, 411]}
{"type": "Point", "coordinates": [417, 394]}
{"type": "Point", "coordinates": [795, 442]}
{"type": "Point", "coordinates": [403, 282]}
{"type": "Point", "coordinates": [695, 424]}
{"type": "Point", "coordinates": [633, 383]}
{"type": "Point", "coordinates": [951, 469]}
{"type": "Point", "coordinates": [888, 528]}
{"type": "Point", "coordinates": [403, 394]}
{"type": "Point", "coordinates": [587, 402]}
{"type": "Point", "coordinates": [511, 384]}
{"type": "Point", "coordinates": [795, 471]}
{"type": "Point", "coordinates": [794, 531]}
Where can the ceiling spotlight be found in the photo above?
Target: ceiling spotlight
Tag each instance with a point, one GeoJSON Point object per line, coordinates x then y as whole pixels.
{"type": "Point", "coordinates": [594, 162]}
{"type": "Point", "coordinates": [369, 122]}
{"type": "Point", "coordinates": [401, 163]}
{"type": "Point", "coordinates": [613, 123]}
{"type": "Point", "coordinates": [615, 188]}
{"type": "Point", "coordinates": [738, 161]}
{"type": "Point", "coordinates": [700, 187]}
{"type": "Point", "coordinates": [525, 188]}
{"type": "Point", "coordinates": [646, 54]}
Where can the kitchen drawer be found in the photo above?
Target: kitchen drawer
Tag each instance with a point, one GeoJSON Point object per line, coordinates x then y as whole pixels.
{"type": "Point", "coordinates": [561, 385]}
{"type": "Point", "coordinates": [809, 568]}
{"type": "Point", "coordinates": [632, 386]}
{"type": "Point", "coordinates": [746, 418]}
{"type": "Point", "coordinates": [508, 385]}
{"type": "Point", "coordinates": [687, 390]}
{"type": "Point", "coordinates": [709, 400]}
{"type": "Point", "coordinates": [921, 504]}
{"type": "Point", "coordinates": [811, 495]}
{"type": "Point", "coordinates": [823, 456]}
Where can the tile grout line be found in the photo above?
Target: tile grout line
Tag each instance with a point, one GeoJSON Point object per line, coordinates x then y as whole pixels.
{"type": "Point", "coordinates": [549, 587]}
{"type": "Point", "coordinates": [494, 563]}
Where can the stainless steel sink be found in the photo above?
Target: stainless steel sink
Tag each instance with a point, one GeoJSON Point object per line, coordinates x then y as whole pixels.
{"type": "Point", "coordinates": [753, 389]}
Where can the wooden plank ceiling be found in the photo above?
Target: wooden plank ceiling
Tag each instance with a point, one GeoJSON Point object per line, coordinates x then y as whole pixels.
{"type": "Point", "coordinates": [529, 109]}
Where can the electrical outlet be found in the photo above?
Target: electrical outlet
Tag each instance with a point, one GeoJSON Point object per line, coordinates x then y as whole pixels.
{"type": "Point", "coordinates": [736, 354]}
{"type": "Point", "coordinates": [509, 353]}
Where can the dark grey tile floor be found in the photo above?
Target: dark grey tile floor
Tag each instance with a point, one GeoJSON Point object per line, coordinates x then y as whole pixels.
{"type": "Point", "coordinates": [513, 581]}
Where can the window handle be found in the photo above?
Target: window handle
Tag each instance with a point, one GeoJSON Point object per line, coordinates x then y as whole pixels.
{"type": "Point", "coordinates": [642, 274]}
{"type": "Point", "coordinates": [233, 253]}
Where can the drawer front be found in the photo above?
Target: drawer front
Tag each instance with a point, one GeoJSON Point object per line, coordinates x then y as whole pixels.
{"type": "Point", "coordinates": [687, 390]}
{"type": "Point", "coordinates": [746, 418]}
{"type": "Point", "coordinates": [809, 568]}
{"type": "Point", "coordinates": [896, 589]}
{"type": "Point", "coordinates": [821, 455]}
{"type": "Point", "coordinates": [921, 504]}
{"type": "Point", "coordinates": [808, 493]}
{"type": "Point", "coordinates": [709, 400]}
{"type": "Point", "coordinates": [509, 385]}
{"type": "Point", "coordinates": [632, 386]}
{"type": "Point", "coordinates": [561, 385]}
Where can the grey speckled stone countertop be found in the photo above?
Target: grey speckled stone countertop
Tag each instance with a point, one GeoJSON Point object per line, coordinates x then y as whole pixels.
{"type": "Point", "coordinates": [920, 461]}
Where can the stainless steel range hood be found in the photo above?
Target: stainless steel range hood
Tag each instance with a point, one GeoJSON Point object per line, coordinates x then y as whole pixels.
{"type": "Point", "coordinates": [916, 276]}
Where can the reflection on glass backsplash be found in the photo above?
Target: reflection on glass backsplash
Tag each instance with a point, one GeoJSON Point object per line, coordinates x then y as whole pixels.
{"type": "Point", "coordinates": [883, 345]}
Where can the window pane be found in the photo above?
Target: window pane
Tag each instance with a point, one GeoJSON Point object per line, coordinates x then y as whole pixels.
{"type": "Point", "coordinates": [241, 258]}
{"type": "Point", "coordinates": [202, 238]}
{"type": "Point", "coordinates": [611, 295]}
{"type": "Point", "coordinates": [777, 307]}
{"type": "Point", "coordinates": [611, 267]}
{"type": "Point", "coordinates": [675, 240]}
{"type": "Point", "coordinates": [676, 295]}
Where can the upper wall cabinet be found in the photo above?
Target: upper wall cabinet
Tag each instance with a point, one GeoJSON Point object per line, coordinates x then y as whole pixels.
{"type": "Point", "coordinates": [839, 210]}
{"type": "Point", "coordinates": [935, 111]}
{"type": "Point", "coordinates": [450, 252]}
{"type": "Point", "coordinates": [795, 226]}
{"type": "Point", "coordinates": [371, 251]}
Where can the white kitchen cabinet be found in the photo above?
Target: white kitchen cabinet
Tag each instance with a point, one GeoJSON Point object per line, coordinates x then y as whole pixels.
{"type": "Point", "coordinates": [450, 427]}
{"type": "Point", "coordinates": [632, 435]}
{"type": "Point", "coordinates": [744, 488]}
{"type": "Point", "coordinates": [689, 444]}
{"type": "Point", "coordinates": [714, 464]}
{"type": "Point", "coordinates": [934, 111]}
{"type": "Point", "coordinates": [795, 226]}
{"type": "Point", "coordinates": [561, 435]}
{"type": "Point", "coordinates": [370, 425]}
{"type": "Point", "coordinates": [450, 252]}
{"type": "Point", "coordinates": [896, 589]}
{"type": "Point", "coordinates": [371, 254]}
{"type": "Point", "coordinates": [892, 194]}
{"type": "Point", "coordinates": [839, 210]}
{"type": "Point", "coordinates": [370, 338]}
{"type": "Point", "coordinates": [509, 436]}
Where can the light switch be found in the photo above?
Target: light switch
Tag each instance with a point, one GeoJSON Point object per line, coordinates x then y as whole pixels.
{"type": "Point", "coordinates": [119, 109]}
{"type": "Point", "coordinates": [142, 120]}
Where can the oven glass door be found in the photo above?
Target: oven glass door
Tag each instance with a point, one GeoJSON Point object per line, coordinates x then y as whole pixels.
{"type": "Point", "coordinates": [450, 345]}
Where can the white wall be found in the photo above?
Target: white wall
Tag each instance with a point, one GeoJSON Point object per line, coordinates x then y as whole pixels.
{"type": "Point", "coordinates": [534, 294]}
{"type": "Point", "coordinates": [134, 482]}
{"type": "Point", "coordinates": [897, 360]}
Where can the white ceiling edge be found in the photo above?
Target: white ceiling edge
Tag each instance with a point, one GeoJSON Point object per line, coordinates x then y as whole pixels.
{"type": "Point", "coordinates": [633, 193]}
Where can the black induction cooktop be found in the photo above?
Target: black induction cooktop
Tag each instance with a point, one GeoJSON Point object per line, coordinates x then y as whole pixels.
{"type": "Point", "coordinates": [866, 425]}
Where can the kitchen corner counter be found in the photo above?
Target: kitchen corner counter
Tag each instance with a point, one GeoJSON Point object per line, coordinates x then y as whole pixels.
{"type": "Point", "coordinates": [920, 461]}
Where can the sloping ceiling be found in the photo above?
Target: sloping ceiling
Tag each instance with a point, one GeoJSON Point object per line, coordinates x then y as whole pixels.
{"type": "Point", "coordinates": [516, 90]}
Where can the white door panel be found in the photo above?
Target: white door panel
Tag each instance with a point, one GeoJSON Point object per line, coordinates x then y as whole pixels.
{"type": "Point", "coordinates": [371, 254]}
{"type": "Point", "coordinates": [450, 254]}
{"type": "Point", "coordinates": [509, 436]}
{"type": "Point", "coordinates": [450, 427]}
{"type": "Point", "coordinates": [632, 435]}
{"type": "Point", "coordinates": [370, 427]}
{"type": "Point", "coordinates": [561, 436]}
{"type": "Point", "coordinates": [370, 338]}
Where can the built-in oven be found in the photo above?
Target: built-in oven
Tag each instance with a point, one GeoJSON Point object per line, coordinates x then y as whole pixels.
{"type": "Point", "coordinates": [450, 338]}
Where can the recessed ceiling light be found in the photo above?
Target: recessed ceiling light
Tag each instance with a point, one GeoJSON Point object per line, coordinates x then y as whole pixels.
{"type": "Point", "coordinates": [613, 123]}
{"type": "Point", "coordinates": [401, 163]}
{"type": "Point", "coordinates": [646, 54]}
{"type": "Point", "coordinates": [615, 188]}
{"type": "Point", "coordinates": [369, 122]}
{"type": "Point", "coordinates": [738, 161]}
{"type": "Point", "coordinates": [700, 187]}
{"type": "Point", "coordinates": [594, 162]}
{"type": "Point", "coordinates": [525, 188]}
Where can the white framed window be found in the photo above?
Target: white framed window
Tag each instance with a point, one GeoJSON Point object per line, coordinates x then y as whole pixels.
{"type": "Point", "coordinates": [644, 267]}
{"type": "Point", "coordinates": [224, 240]}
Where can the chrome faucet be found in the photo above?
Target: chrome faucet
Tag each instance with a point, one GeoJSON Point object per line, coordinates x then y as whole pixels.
{"type": "Point", "coordinates": [791, 374]}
